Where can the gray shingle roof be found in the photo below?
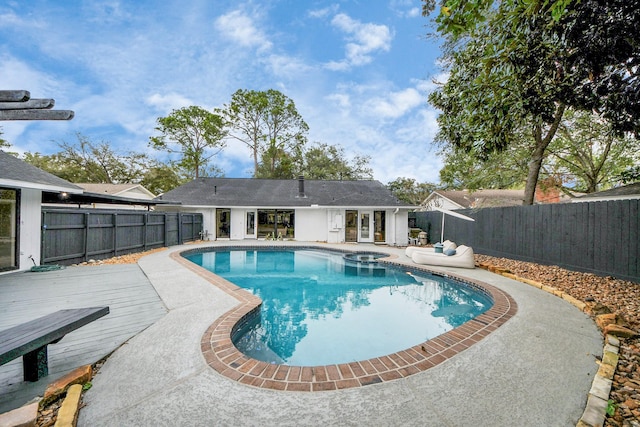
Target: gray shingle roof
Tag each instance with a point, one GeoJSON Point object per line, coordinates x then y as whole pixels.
{"type": "Point", "coordinates": [249, 192]}
{"type": "Point", "coordinates": [14, 169]}
{"type": "Point", "coordinates": [618, 192]}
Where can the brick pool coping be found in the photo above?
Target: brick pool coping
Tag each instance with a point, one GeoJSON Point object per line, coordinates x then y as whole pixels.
{"type": "Point", "coordinates": [221, 355]}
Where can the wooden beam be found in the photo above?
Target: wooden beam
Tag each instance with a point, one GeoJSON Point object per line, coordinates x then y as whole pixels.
{"type": "Point", "coordinates": [14, 95]}
{"type": "Point", "coordinates": [28, 105]}
{"type": "Point", "coordinates": [36, 114]}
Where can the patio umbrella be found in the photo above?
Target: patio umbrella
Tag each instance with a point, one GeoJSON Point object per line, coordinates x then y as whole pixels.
{"type": "Point", "coordinates": [456, 214]}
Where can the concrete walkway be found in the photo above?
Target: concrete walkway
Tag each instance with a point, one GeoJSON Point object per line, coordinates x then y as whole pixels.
{"type": "Point", "coordinates": [536, 370]}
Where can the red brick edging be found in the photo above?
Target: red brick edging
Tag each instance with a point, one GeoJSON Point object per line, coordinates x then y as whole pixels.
{"type": "Point", "coordinates": [220, 353]}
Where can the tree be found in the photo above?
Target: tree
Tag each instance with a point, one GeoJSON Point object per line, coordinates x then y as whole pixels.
{"type": "Point", "coordinates": [517, 63]}
{"type": "Point", "coordinates": [588, 154]}
{"type": "Point", "coordinates": [192, 132]}
{"type": "Point", "coordinates": [630, 175]}
{"type": "Point", "coordinates": [466, 170]}
{"type": "Point", "coordinates": [276, 163]}
{"type": "Point", "coordinates": [410, 191]}
{"type": "Point", "coordinates": [87, 161]}
{"type": "Point", "coordinates": [160, 178]}
{"type": "Point", "coordinates": [324, 161]}
{"type": "Point", "coordinates": [268, 123]}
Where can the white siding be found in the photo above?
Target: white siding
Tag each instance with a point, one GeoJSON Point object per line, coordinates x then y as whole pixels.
{"type": "Point", "coordinates": [399, 234]}
{"type": "Point", "coordinates": [311, 225]}
{"type": "Point", "coordinates": [30, 225]}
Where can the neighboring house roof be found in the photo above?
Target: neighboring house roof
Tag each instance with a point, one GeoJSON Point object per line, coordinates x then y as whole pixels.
{"type": "Point", "coordinates": [20, 174]}
{"type": "Point", "coordinates": [125, 190]}
{"type": "Point", "coordinates": [631, 191]}
{"type": "Point", "coordinates": [465, 199]}
{"type": "Point", "coordinates": [251, 192]}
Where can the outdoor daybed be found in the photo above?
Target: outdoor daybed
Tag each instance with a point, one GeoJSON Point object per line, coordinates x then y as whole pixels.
{"type": "Point", "coordinates": [463, 257]}
{"type": "Point", "coordinates": [447, 244]}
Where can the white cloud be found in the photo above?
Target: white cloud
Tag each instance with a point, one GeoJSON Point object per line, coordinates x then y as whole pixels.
{"type": "Point", "coordinates": [363, 40]}
{"type": "Point", "coordinates": [168, 102]}
{"type": "Point", "coordinates": [324, 12]}
{"type": "Point", "coordinates": [395, 104]}
{"type": "Point", "coordinates": [287, 66]}
{"type": "Point", "coordinates": [240, 28]}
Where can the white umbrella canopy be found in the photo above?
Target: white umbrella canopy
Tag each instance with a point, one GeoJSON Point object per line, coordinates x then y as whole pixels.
{"type": "Point", "coordinates": [455, 214]}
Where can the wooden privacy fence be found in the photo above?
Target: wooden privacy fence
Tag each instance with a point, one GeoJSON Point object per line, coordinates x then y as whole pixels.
{"type": "Point", "coordinates": [598, 237]}
{"type": "Point", "coordinates": [75, 235]}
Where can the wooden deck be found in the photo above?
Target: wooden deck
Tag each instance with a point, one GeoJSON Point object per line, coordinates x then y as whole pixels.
{"type": "Point", "coordinates": [133, 303]}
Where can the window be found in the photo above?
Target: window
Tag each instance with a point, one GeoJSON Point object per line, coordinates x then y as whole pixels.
{"type": "Point", "coordinates": [8, 229]}
{"type": "Point", "coordinates": [276, 223]}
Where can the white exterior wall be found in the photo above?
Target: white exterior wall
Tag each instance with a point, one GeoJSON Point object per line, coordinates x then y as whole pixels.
{"type": "Point", "coordinates": [30, 226]}
{"type": "Point", "coordinates": [398, 233]}
{"type": "Point", "coordinates": [311, 225]}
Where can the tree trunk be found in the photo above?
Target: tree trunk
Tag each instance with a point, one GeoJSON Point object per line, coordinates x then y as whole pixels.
{"type": "Point", "coordinates": [539, 153]}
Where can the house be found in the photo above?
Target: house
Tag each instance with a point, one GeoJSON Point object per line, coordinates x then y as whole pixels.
{"type": "Point", "coordinates": [304, 210]}
{"type": "Point", "coordinates": [22, 187]}
{"type": "Point", "coordinates": [127, 191]}
{"type": "Point", "coordinates": [631, 191]}
{"type": "Point", "coordinates": [465, 199]}
{"type": "Point", "coordinates": [24, 191]}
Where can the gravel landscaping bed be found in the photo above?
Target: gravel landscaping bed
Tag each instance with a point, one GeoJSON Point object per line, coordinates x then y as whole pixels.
{"type": "Point", "coordinates": [603, 294]}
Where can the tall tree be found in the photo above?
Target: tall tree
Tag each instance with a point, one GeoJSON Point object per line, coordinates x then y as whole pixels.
{"type": "Point", "coordinates": [324, 161]}
{"type": "Point", "coordinates": [193, 132]}
{"type": "Point", "coordinates": [268, 123]}
{"type": "Point", "coordinates": [515, 63]}
{"type": "Point", "coordinates": [86, 161]}
{"type": "Point", "coordinates": [410, 191]}
{"type": "Point", "coordinates": [588, 154]}
{"type": "Point", "coordinates": [160, 178]}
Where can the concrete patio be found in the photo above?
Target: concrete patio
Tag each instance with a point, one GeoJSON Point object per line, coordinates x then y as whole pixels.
{"type": "Point", "coordinates": [535, 370]}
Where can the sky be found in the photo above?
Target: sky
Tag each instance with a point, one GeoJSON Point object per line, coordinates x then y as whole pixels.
{"type": "Point", "coordinates": [359, 72]}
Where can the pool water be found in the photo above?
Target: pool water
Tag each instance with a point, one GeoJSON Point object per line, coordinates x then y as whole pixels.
{"type": "Point", "coordinates": [320, 308]}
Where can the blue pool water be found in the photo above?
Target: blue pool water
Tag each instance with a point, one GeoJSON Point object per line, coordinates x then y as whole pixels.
{"type": "Point", "coordinates": [320, 309]}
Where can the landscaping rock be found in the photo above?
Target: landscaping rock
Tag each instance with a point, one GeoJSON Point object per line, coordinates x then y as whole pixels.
{"type": "Point", "coordinates": [81, 375]}
{"type": "Point", "coordinates": [601, 295]}
{"type": "Point", "coordinates": [620, 331]}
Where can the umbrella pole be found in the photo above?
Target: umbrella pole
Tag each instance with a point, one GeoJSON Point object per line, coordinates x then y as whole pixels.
{"type": "Point", "coordinates": [442, 229]}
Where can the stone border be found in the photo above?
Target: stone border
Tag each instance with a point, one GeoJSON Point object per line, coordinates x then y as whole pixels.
{"type": "Point", "coordinates": [595, 412]}
{"type": "Point", "coordinates": [221, 355]}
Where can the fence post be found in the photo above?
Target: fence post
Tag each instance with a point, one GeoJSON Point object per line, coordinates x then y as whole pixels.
{"type": "Point", "coordinates": [145, 220]}
{"type": "Point", "coordinates": [115, 234]}
{"type": "Point", "coordinates": [86, 237]}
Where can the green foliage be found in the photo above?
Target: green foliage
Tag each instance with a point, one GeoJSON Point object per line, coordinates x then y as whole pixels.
{"type": "Point", "coordinates": [585, 156]}
{"type": "Point", "coordinates": [268, 123]}
{"type": "Point", "coordinates": [630, 175]}
{"type": "Point", "coordinates": [192, 132]}
{"type": "Point", "coordinates": [324, 161]}
{"type": "Point", "coordinates": [87, 386]}
{"type": "Point", "coordinates": [611, 407]}
{"type": "Point", "coordinates": [410, 191]}
{"type": "Point", "coordinates": [160, 178]}
{"type": "Point", "coordinates": [589, 154]}
{"type": "Point", "coordinates": [88, 161]}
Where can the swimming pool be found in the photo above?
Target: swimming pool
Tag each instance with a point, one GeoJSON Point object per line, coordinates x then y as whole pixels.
{"type": "Point", "coordinates": [322, 307]}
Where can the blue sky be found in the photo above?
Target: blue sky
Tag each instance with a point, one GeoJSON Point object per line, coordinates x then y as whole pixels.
{"type": "Point", "coordinates": [358, 71]}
